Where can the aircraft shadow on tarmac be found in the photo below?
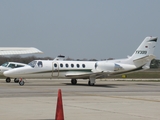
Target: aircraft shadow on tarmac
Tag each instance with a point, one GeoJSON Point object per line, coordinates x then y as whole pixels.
{"type": "Point", "coordinates": [147, 84]}
{"type": "Point", "coordinates": [45, 85]}
{"type": "Point", "coordinates": [68, 84]}
{"type": "Point", "coordinates": [109, 85]}
{"type": "Point", "coordinates": [97, 85]}
{"type": "Point", "coordinates": [79, 84]}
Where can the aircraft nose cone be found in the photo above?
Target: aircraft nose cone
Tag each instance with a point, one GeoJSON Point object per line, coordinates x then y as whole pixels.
{"type": "Point", "coordinates": [7, 74]}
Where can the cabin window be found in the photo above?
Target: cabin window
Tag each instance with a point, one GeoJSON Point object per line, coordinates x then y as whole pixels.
{"type": "Point", "coordinates": [55, 65]}
{"type": "Point", "coordinates": [77, 65]}
{"type": "Point", "coordinates": [40, 64]}
{"type": "Point", "coordinates": [67, 65]}
{"type": "Point", "coordinates": [72, 65]}
{"type": "Point", "coordinates": [83, 65]}
{"type": "Point", "coordinates": [61, 65]}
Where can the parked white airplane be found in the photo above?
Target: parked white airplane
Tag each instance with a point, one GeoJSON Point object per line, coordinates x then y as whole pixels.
{"type": "Point", "coordinates": [15, 51]}
{"type": "Point", "coordinates": [140, 60]}
{"type": "Point", "coordinates": [8, 66]}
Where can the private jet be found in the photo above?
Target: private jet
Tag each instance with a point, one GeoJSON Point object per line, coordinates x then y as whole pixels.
{"type": "Point", "coordinates": [15, 51]}
{"type": "Point", "coordinates": [8, 66]}
{"type": "Point", "coordinates": [91, 70]}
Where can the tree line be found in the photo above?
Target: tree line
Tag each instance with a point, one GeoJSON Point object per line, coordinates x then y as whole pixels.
{"type": "Point", "coordinates": [155, 63]}
{"type": "Point", "coordinates": [17, 58]}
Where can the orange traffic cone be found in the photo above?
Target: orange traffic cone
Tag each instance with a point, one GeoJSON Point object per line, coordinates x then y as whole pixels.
{"type": "Point", "coordinates": [59, 109]}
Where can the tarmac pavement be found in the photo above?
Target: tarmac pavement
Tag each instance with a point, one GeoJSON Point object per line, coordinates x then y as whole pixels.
{"type": "Point", "coordinates": [107, 100]}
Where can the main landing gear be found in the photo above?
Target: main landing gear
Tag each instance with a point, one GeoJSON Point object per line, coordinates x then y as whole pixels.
{"type": "Point", "coordinates": [8, 80]}
{"type": "Point", "coordinates": [74, 81]}
{"type": "Point", "coordinates": [16, 80]}
{"type": "Point", "coordinates": [90, 84]}
{"type": "Point", "coordinates": [91, 81]}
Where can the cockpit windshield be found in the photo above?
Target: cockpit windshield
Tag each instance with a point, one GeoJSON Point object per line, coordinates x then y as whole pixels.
{"type": "Point", "coordinates": [33, 63]}
{"type": "Point", "coordinates": [5, 64]}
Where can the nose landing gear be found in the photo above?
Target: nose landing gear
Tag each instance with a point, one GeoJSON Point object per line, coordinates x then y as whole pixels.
{"type": "Point", "coordinates": [21, 82]}
{"type": "Point", "coordinates": [8, 80]}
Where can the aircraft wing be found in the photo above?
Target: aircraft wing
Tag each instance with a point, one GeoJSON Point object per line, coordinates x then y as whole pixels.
{"type": "Point", "coordinates": [100, 74]}
{"type": "Point", "coordinates": [77, 75]}
{"type": "Point", "coordinates": [18, 50]}
{"type": "Point", "coordinates": [85, 75]}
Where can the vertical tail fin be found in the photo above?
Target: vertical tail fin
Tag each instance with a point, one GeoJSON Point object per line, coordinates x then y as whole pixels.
{"type": "Point", "coordinates": [146, 48]}
{"type": "Point", "coordinates": [144, 53]}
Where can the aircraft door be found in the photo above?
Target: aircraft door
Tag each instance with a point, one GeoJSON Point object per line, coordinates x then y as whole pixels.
{"type": "Point", "coordinates": [55, 69]}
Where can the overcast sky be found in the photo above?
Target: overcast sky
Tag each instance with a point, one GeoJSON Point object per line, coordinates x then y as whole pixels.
{"type": "Point", "coordinates": [79, 28]}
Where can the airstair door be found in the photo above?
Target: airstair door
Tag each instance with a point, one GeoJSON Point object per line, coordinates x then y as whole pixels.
{"type": "Point", "coordinates": [55, 69]}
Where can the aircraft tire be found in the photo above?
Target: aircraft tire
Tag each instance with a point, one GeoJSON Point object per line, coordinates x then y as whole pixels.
{"type": "Point", "coordinates": [21, 83]}
{"type": "Point", "coordinates": [16, 80]}
{"type": "Point", "coordinates": [90, 84]}
{"type": "Point", "coordinates": [74, 81]}
{"type": "Point", "coordinates": [8, 80]}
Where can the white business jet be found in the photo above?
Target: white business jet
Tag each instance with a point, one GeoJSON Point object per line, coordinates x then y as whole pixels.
{"type": "Point", "coordinates": [8, 66]}
{"type": "Point", "coordinates": [59, 68]}
{"type": "Point", "coordinates": [15, 51]}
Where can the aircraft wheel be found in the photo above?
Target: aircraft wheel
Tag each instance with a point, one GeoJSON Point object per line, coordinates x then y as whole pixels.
{"type": "Point", "coordinates": [8, 80]}
{"type": "Point", "coordinates": [74, 81]}
{"type": "Point", "coordinates": [16, 80]}
{"type": "Point", "coordinates": [21, 83]}
{"type": "Point", "coordinates": [90, 84]}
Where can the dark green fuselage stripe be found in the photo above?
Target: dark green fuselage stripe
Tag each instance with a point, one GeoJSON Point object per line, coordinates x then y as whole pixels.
{"type": "Point", "coordinates": [52, 71]}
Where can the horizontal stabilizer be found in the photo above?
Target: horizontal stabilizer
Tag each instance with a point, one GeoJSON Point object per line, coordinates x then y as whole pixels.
{"type": "Point", "coordinates": [143, 60]}
{"type": "Point", "coordinates": [18, 50]}
{"type": "Point", "coordinates": [148, 57]}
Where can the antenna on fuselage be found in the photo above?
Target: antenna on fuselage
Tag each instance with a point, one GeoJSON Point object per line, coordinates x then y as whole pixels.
{"type": "Point", "coordinates": [60, 57]}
